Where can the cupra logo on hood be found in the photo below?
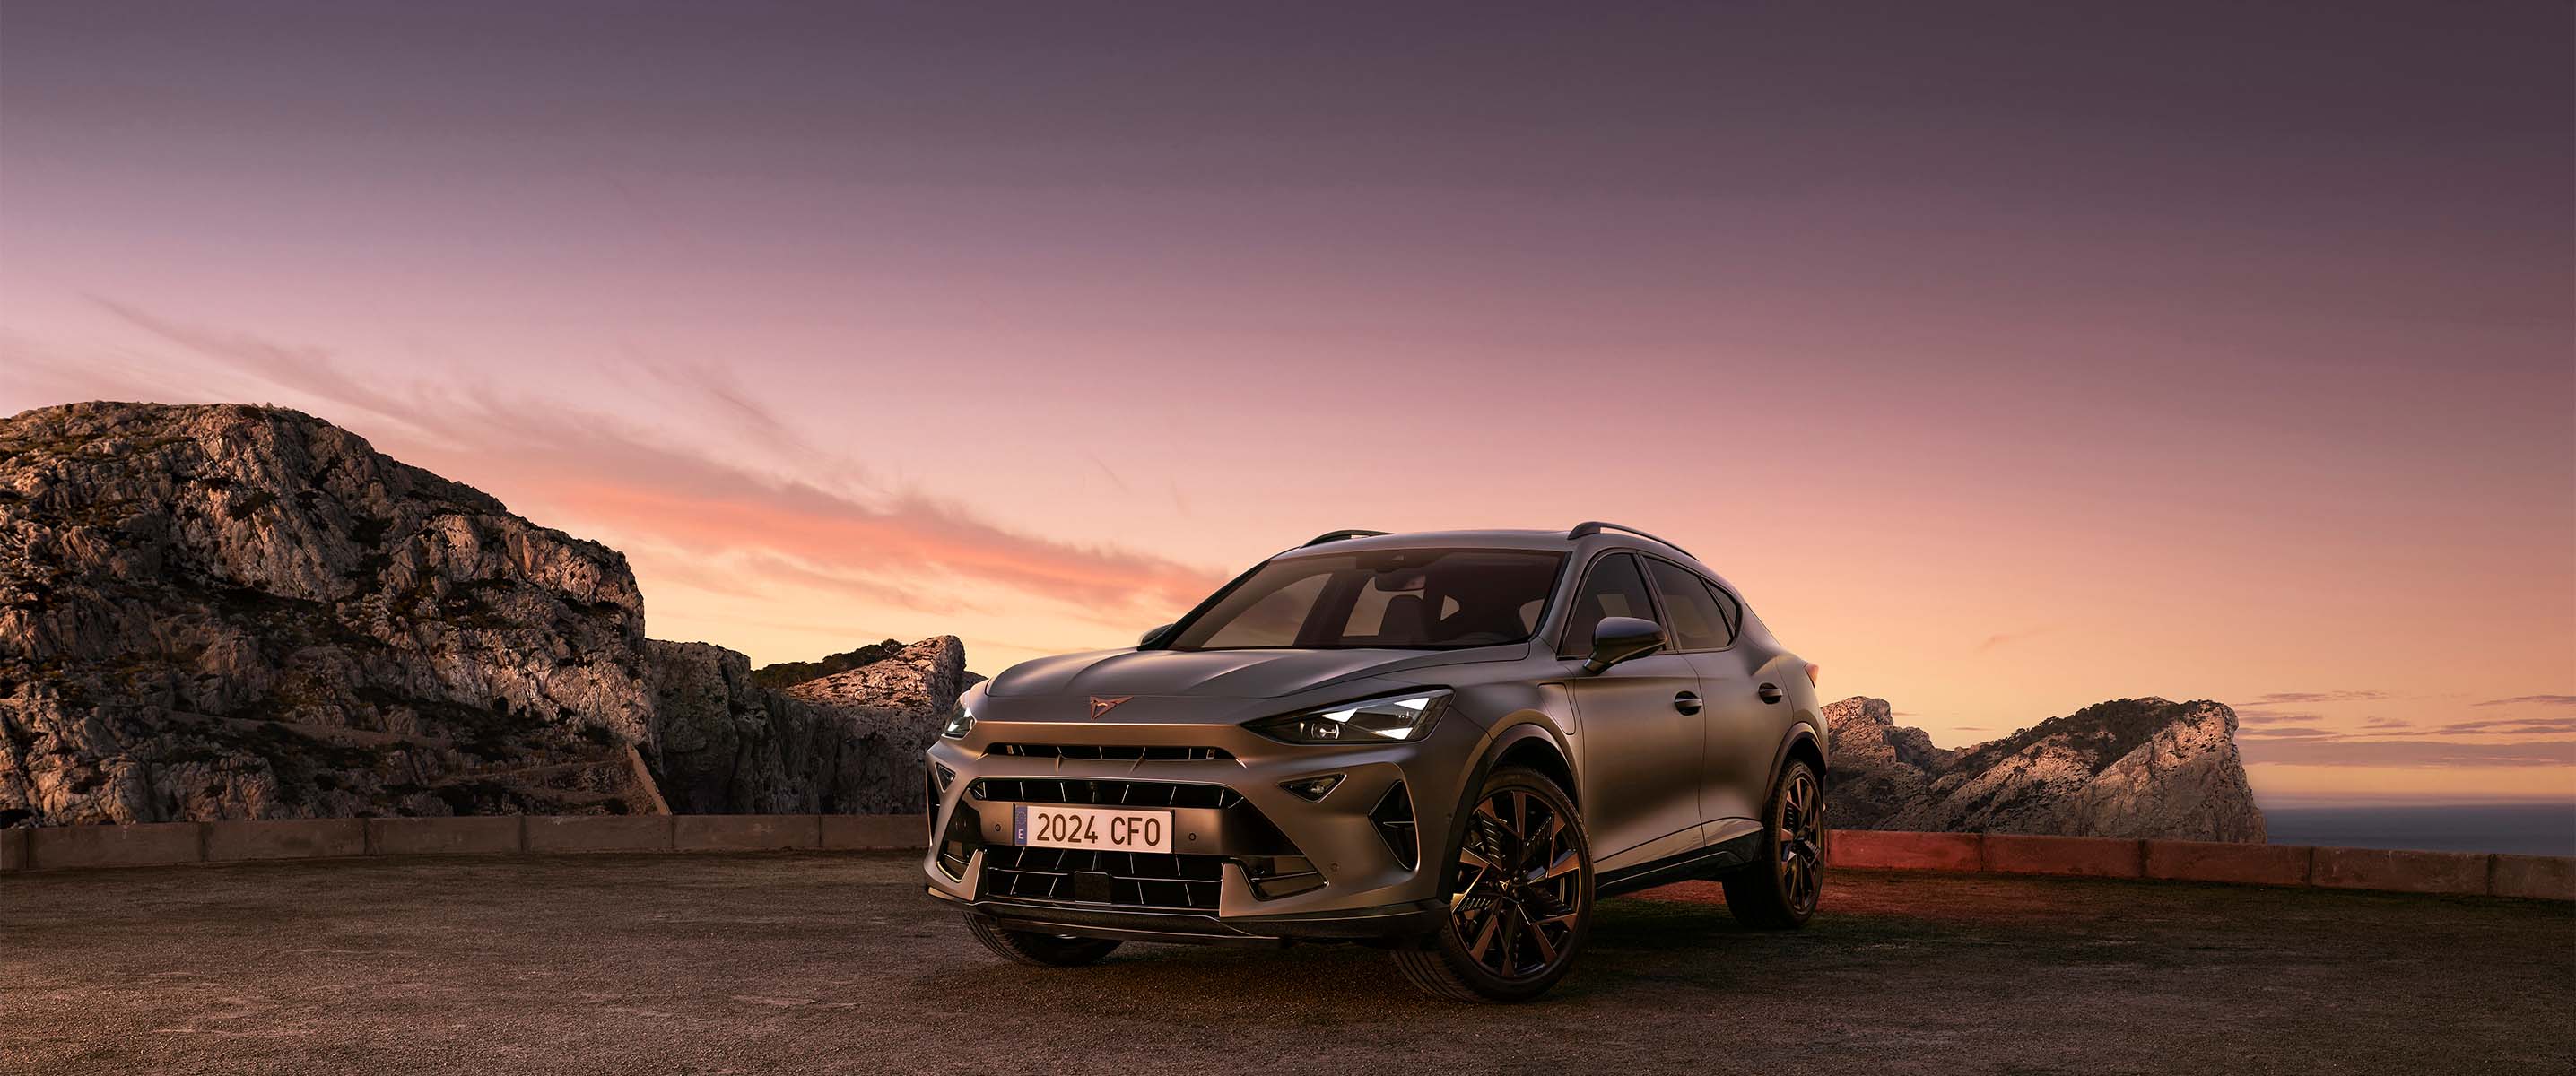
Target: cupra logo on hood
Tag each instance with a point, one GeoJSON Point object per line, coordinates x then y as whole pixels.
{"type": "Point", "coordinates": [1101, 706]}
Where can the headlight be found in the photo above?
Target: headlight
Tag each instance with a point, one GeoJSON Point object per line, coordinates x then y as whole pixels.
{"type": "Point", "coordinates": [1379, 720]}
{"type": "Point", "coordinates": [960, 719]}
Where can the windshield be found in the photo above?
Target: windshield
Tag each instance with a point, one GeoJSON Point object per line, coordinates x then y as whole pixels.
{"type": "Point", "coordinates": [1401, 599]}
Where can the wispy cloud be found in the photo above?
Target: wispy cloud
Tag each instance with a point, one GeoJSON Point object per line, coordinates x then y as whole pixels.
{"type": "Point", "coordinates": [2422, 754]}
{"type": "Point", "coordinates": [2256, 715]}
{"type": "Point", "coordinates": [2293, 697]}
{"type": "Point", "coordinates": [2007, 638]}
{"type": "Point", "coordinates": [2531, 700]}
{"type": "Point", "coordinates": [2516, 726]}
{"type": "Point", "coordinates": [1105, 472]}
{"type": "Point", "coordinates": [2297, 732]}
{"type": "Point", "coordinates": [900, 546]}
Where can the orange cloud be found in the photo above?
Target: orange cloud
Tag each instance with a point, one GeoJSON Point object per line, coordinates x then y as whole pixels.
{"type": "Point", "coordinates": [894, 546]}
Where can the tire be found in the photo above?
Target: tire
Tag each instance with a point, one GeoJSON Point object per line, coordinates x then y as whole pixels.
{"type": "Point", "coordinates": [1038, 950]}
{"type": "Point", "coordinates": [1520, 896]}
{"type": "Point", "coordinates": [1780, 890]}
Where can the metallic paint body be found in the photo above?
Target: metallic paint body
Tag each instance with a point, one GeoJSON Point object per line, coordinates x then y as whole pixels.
{"type": "Point", "coordinates": [1616, 733]}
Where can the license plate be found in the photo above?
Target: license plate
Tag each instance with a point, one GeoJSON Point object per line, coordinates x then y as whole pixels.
{"type": "Point", "coordinates": [1041, 825]}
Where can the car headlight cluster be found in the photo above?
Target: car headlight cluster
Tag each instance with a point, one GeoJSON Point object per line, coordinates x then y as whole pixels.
{"type": "Point", "coordinates": [1390, 718]}
{"type": "Point", "coordinates": [960, 719]}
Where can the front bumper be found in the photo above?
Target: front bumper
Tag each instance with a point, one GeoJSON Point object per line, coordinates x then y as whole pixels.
{"type": "Point", "coordinates": [1252, 861]}
{"type": "Point", "coordinates": [1123, 924]}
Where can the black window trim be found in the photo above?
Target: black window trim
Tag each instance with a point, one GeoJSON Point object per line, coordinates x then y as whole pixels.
{"type": "Point", "coordinates": [1653, 600]}
{"type": "Point", "coordinates": [1732, 609]}
{"type": "Point", "coordinates": [1733, 633]}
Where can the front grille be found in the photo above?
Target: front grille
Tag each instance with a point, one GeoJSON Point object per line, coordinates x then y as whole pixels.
{"type": "Point", "coordinates": [1083, 790]}
{"type": "Point", "coordinates": [1091, 876]}
{"type": "Point", "coordinates": [1114, 752]}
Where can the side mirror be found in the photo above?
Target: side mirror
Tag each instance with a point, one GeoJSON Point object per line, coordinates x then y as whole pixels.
{"type": "Point", "coordinates": [1618, 638]}
{"type": "Point", "coordinates": [1148, 638]}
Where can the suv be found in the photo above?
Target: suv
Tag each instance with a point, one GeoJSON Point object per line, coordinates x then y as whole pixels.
{"type": "Point", "coordinates": [1445, 744]}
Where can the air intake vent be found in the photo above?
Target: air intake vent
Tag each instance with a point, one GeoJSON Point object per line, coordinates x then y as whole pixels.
{"type": "Point", "coordinates": [1273, 877]}
{"type": "Point", "coordinates": [1126, 879]}
{"type": "Point", "coordinates": [1394, 817]}
{"type": "Point", "coordinates": [1113, 752]}
{"type": "Point", "coordinates": [1104, 793]}
{"type": "Point", "coordinates": [957, 848]}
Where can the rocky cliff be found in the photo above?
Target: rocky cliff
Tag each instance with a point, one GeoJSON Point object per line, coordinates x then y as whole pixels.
{"type": "Point", "coordinates": [848, 743]}
{"type": "Point", "coordinates": [2124, 768]}
{"type": "Point", "coordinates": [229, 611]}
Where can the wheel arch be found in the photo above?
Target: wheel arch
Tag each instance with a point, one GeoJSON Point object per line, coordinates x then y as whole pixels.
{"type": "Point", "coordinates": [1525, 739]}
{"type": "Point", "coordinates": [1535, 749]}
{"type": "Point", "coordinates": [1803, 742]}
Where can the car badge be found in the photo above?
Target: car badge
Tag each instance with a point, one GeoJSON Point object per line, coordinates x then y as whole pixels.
{"type": "Point", "coordinates": [1101, 706]}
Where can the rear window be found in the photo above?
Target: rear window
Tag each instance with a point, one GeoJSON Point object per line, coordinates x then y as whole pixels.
{"type": "Point", "coordinates": [1692, 615]}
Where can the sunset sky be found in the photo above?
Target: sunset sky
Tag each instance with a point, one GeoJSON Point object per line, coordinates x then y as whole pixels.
{"type": "Point", "coordinates": [2008, 358]}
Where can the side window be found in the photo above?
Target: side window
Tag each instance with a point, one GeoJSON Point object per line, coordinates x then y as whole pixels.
{"type": "Point", "coordinates": [1733, 609]}
{"type": "Point", "coordinates": [1694, 619]}
{"type": "Point", "coordinates": [1613, 589]}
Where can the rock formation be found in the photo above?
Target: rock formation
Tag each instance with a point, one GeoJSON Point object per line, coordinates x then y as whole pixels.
{"type": "Point", "coordinates": [787, 674]}
{"type": "Point", "coordinates": [229, 611]}
{"type": "Point", "coordinates": [1878, 766]}
{"type": "Point", "coordinates": [2124, 768]}
{"type": "Point", "coordinates": [848, 743]}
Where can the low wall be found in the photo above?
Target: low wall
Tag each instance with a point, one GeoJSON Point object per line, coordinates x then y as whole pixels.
{"type": "Point", "coordinates": [164, 844]}
{"type": "Point", "coordinates": [170, 843]}
{"type": "Point", "coordinates": [2466, 873]}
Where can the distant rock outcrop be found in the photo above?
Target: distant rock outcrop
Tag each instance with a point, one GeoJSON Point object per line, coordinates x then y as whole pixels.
{"type": "Point", "coordinates": [228, 611]}
{"type": "Point", "coordinates": [1878, 766]}
{"type": "Point", "coordinates": [2124, 768]}
{"type": "Point", "coordinates": [848, 743]}
{"type": "Point", "coordinates": [786, 674]}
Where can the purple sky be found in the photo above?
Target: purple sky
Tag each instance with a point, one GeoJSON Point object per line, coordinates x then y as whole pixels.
{"type": "Point", "coordinates": [2009, 357]}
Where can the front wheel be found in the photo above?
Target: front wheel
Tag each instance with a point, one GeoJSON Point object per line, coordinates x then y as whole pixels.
{"type": "Point", "coordinates": [1521, 899]}
{"type": "Point", "coordinates": [1779, 891]}
{"type": "Point", "coordinates": [1039, 950]}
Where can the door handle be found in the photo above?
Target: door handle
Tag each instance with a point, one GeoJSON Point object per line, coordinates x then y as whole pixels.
{"type": "Point", "coordinates": [1769, 692]}
{"type": "Point", "coordinates": [1687, 702]}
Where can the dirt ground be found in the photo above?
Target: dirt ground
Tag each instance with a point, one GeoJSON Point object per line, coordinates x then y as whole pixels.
{"type": "Point", "coordinates": [837, 963]}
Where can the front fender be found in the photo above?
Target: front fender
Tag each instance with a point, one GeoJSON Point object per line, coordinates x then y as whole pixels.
{"type": "Point", "coordinates": [1511, 731]}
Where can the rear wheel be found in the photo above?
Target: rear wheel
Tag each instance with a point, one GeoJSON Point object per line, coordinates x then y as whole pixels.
{"type": "Point", "coordinates": [1039, 950]}
{"type": "Point", "coordinates": [1521, 900]}
{"type": "Point", "coordinates": [1779, 891]}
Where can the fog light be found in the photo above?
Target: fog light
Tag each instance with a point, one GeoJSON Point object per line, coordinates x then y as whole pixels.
{"type": "Point", "coordinates": [1311, 789]}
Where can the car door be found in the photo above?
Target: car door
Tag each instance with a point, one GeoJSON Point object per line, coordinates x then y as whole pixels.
{"type": "Point", "coordinates": [1638, 732]}
{"type": "Point", "coordinates": [1740, 734]}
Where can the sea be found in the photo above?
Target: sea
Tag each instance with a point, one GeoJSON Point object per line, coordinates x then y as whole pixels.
{"type": "Point", "coordinates": [2534, 829]}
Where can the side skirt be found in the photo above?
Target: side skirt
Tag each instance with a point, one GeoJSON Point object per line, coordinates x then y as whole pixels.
{"type": "Point", "coordinates": [1696, 863]}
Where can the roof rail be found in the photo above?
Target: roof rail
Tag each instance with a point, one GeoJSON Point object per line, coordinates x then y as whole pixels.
{"type": "Point", "coordinates": [1335, 536]}
{"type": "Point", "coordinates": [1592, 527]}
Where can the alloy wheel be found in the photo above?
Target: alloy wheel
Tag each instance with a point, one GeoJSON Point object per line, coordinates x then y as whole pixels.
{"type": "Point", "coordinates": [1801, 823]}
{"type": "Point", "coordinates": [1519, 870]}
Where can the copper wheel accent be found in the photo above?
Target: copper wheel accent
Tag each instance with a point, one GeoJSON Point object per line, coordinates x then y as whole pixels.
{"type": "Point", "coordinates": [1518, 879]}
{"type": "Point", "coordinates": [1801, 821]}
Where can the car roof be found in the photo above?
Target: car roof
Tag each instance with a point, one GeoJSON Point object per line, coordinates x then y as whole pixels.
{"type": "Point", "coordinates": [1554, 541]}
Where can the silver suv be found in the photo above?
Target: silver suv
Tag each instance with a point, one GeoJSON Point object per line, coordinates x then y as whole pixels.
{"type": "Point", "coordinates": [1445, 744]}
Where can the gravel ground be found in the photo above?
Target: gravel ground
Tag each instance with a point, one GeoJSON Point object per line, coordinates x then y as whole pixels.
{"type": "Point", "coordinates": [837, 963]}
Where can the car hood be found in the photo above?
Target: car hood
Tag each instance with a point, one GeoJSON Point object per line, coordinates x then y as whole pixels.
{"type": "Point", "coordinates": [1222, 674]}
